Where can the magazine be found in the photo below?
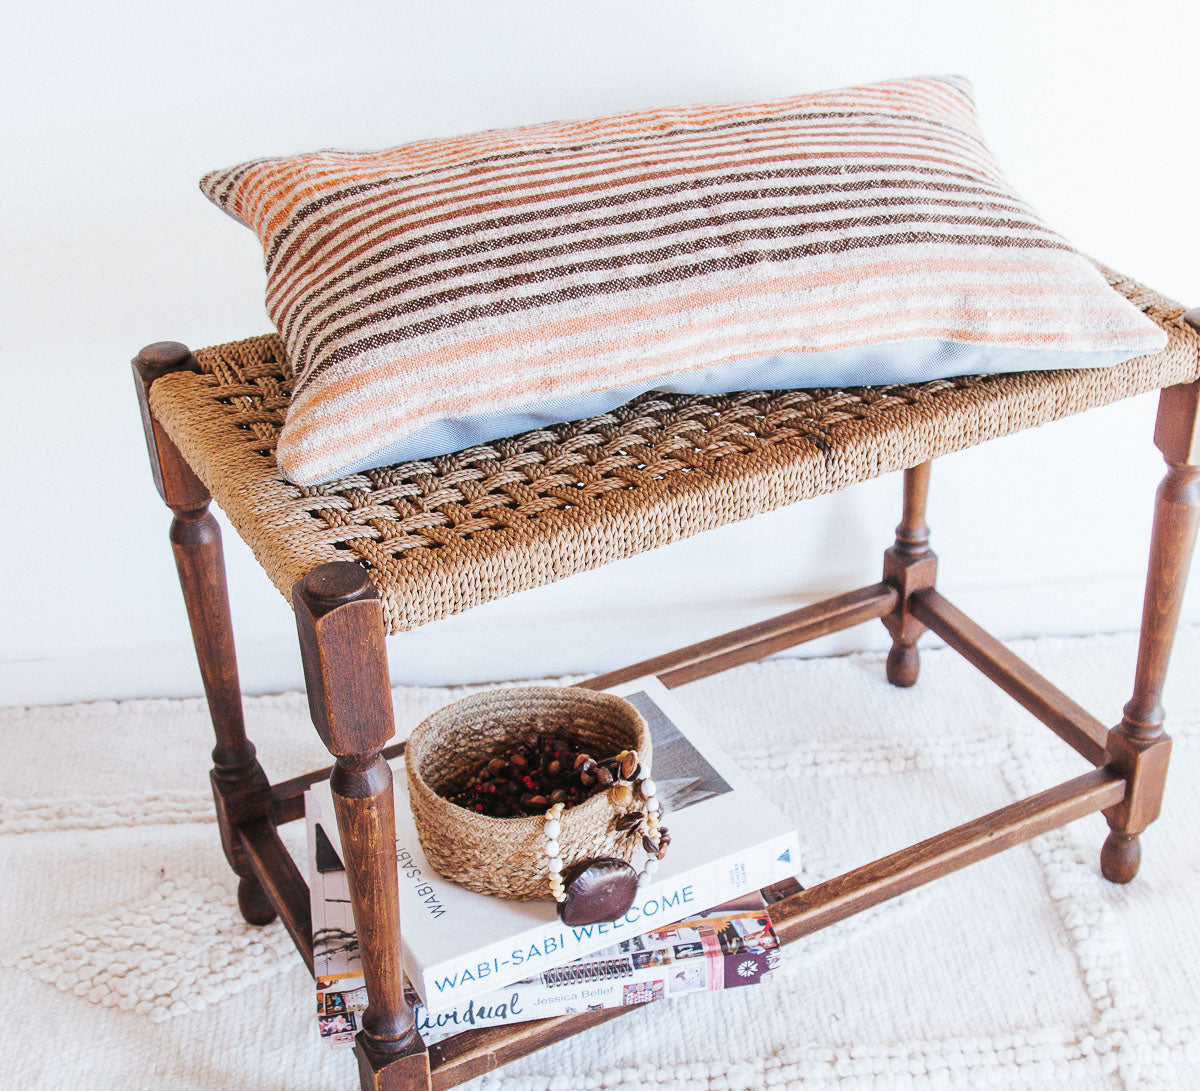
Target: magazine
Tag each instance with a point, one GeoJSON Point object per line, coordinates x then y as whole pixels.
{"type": "Point", "coordinates": [727, 840]}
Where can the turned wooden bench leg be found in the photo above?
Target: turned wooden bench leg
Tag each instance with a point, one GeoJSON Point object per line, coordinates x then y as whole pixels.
{"type": "Point", "coordinates": [909, 566]}
{"type": "Point", "coordinates": [345, 671]}
{"type": "Point", "coordinates": [240, 787]}
{"type": "Point", "coordinates": [1138, 748]}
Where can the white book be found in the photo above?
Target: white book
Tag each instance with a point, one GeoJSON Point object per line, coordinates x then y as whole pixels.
{"type": "Point", "coordinates": [727, 839]}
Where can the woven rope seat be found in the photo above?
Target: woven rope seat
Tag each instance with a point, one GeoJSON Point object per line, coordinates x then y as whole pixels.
{"type": "Point", "coordinates": [441, 535]}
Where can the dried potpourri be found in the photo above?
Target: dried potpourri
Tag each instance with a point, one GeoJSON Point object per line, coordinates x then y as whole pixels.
{"type": "Point", "coordinates": [540, 771]}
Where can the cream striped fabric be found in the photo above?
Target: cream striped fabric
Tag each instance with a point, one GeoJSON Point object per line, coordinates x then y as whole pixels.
{"type": "Point", "coordinates": [451, 291]}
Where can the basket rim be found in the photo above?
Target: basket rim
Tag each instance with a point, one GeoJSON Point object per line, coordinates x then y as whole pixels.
{"type": "Point", "coordinates": [422, 736]}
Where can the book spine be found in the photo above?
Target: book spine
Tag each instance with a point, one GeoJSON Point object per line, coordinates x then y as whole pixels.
{"type": "Point", "coordinates": [662, 904]}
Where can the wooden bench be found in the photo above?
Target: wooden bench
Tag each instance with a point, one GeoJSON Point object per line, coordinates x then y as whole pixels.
{"type": "Point", "coordinates": [389, 550]}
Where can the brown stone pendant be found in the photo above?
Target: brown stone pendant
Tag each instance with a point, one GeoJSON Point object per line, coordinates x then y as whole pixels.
{"type": "Point", "coordinates": [597, 891]}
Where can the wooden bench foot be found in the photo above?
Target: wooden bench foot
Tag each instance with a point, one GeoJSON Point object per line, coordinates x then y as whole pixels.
{"type": "Point", "coordinates": [1120, 857]}
{"type": "Point", "coordinates": [909, 566]}
{"type": "Point", "coordinates": [255, 906]}
{"type": "Point", "coordinates": [403, 1070]}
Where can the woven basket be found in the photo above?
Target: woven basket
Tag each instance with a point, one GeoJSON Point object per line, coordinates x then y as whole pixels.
{"type": "Point", "coordinates": [505, 856]}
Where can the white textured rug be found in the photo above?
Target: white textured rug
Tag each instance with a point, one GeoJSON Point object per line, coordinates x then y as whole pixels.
{"type": "Point", "coordinates": [124, 964]}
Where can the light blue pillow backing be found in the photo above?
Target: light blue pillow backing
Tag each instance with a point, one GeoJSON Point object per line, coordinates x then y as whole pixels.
{"type": "Point", "coordinates": [871, 365]}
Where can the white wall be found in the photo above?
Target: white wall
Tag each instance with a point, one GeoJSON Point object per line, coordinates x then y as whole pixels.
{"type": "Point", "coordinates": [113, 111]}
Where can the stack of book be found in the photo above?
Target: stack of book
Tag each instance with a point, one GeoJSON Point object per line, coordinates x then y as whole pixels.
{"type": "Point", "coordinates": [473, 961]}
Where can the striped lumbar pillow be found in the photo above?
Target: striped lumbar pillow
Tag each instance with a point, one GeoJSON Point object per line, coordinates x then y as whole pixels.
{"type": "Point", "coordinates": [453, 291]}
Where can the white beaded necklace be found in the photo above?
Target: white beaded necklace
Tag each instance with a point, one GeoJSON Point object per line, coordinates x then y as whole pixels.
{"type": "Point", "coordinates": [650, 825]}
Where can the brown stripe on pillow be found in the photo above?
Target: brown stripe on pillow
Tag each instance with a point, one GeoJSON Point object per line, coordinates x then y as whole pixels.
{"type": "Point", "coordinates": [306, 220]}
{"type": "Point", "coordinates": [326, 356]}
{"type": "Point", "coordinates": [802, 222]}
{"type": "Point", "coordinates": [360, 207]}
{"type": "Point", "coordinates": [475, 174]}
{"type": "Point", "coordinates": [565, 219]}
{"type": "Point", "coordinates": [388, 264]}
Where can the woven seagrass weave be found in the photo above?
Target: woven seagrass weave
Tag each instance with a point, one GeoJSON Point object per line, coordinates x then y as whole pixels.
{"type": "Point", "coordinates": [441, 535]}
